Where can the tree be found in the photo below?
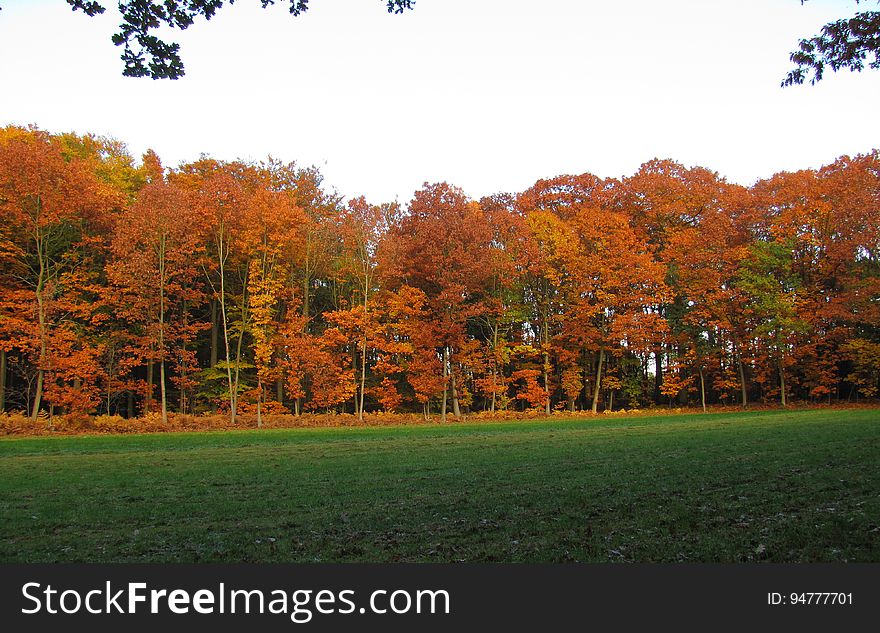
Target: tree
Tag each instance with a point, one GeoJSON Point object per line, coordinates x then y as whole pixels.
{"type": "Point", "coordinates": [846, 43]}
{"type": "Point", "coordinates": [361, 227]}
{"type": "Point", "coordinates": [766, 278]}
{"type": "Point", "coordinates": [155, 252]}
{"type": "Point", "coordinates": [272, 221]}
{"type": "Point", "coordinates": [145, 55]}
{"type": "Point", "coordinates": [223, 193]}
{"type": "Point", "coordinates": [613, 278]}
{"type": "Point", "coordinates": [442, 247]}
{"type": "Point", "coordinates": [47, 204]}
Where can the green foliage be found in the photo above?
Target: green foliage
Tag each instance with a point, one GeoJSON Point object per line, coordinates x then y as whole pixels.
{"type": "Point", "coordinates": [842, 44]}
{"type": "Point", "coordinates": [767, 278]}
{"type": "Point", "coordinates": [145, 55]}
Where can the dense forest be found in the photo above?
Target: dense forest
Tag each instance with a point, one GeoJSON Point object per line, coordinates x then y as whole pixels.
{"type": "Point", "coordinates": [128, 288]}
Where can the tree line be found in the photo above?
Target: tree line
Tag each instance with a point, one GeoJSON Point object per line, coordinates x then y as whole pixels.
{"type": "Point", "coordinates": [127, 288]}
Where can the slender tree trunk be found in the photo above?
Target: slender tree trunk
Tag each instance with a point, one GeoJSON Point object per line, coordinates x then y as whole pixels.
{"type": "Point", "coordinates": [305, 306]}
{"type": "Point", "coordinates": [259, 401]}
{"type": "Point", "coordinates": [456, 409]}
{"type": "Point", "coordinates": [279, 390]}
{"type": "Point", "coordinates": [41, 281]}
{"type": "Point", "coordinates": [366, 280]}
{"type": "Point", "coordinates": [306, 287]}
{"type": "Point", "coordinates": [164, 395]}
{"type": "Point", "coordinates": [237, 374]}
{"type": "Point", "coordinates": [233, 389]}
{"type": "Point", "coordinates": [782, 381]}
{"type": "Point", "coordinates": [742, 374]}
{"type": "Point", "coordinates": [215, 339]}
{"type": "Point", "coordinates": [129, 404]}
{"type": "Point", "coordinates": [598, 380]}
{"type": "Point", "coordinates": [545, 334]}
{"type": "Point", "coordinates": [162, 329]}
{"type": "Point", "coordinates": [150, 384]}
{"type": "Point", "coordinates": [109, 380]}
{"type": "Point", "coordinates": [182, 395]}
{"type": "Point", "coordinates": [611, 399]}
{"type": "Point", "coordinates": [445, 388]}
{"type": "Point", "coordinates": [703, 390]}
{"type": "Point", "coordinates": [2, 380]}
{"type": "Point", "coordinates": [658, 374]}
{"type": "Point", "coordinates": [109, 394]}
{"type": "Point", "coordinates": [363, 381]}
{"type": "Point", "coordinates": [215, 332]}
{"type": "Point", "coordinates": [495, 367]}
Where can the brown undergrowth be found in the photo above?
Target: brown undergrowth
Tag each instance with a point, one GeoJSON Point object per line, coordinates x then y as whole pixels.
{"type": "Point", "coordinates": [18, 424]}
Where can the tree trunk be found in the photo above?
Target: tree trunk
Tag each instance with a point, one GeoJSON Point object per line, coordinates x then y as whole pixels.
{"type": "Point", "coordinates": [658, 374]}
{"type": "Point", "coordinates": [162, 387]}
{"type": "Point", "coordinates": [546, 364]}
{"type": "Point", "coordinates": [151, 388]}
{"type": "Point", "coordinates": [181, 396]}
{"type": "Point", "coordinates": [215, 332]}
{"type": "Point", "coordinates": [2, 380]}
{"type": "Point", "coordinates": [611, 400]}
{"type": "Point", "coordinates": [360, 408]}
{"type": "Point", "coordinates": [129, 404]}
{"type": "Point", "coordinates": [782, 382]}
{"type": "Point", "coordinates": [703, 390]}
{"type": "Point", "coordinates": [233, 389]}
{"type": "Point", "coordinates": [598, 380]}
{"type": "Point", "coordinates": [41, 280]}
{"type": "Point", "coordinates": [445, 376]}
{"type": "Point", "coordinates": [305, 306]}
{"type": "Point", "coordinates": [162, 329]}
{"type": "Point", "coordinates": [259, 402]}
{"type": "Point", "coordinates": [456, 409]}
{"type": "Point", "coordinates": [235, 381]}
{"type": "Point", "coordinates": [110, 380]}
{"type": "Point", "coordinates": [215, 338]}
{"type": "Point", "coordinates": [494, 366]}
{"type": "Point", "coordinates": [279, 390]}
{"type": "Point", "coordinates": [742, 374]}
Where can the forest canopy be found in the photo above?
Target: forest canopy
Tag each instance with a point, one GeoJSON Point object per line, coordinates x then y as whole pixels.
{"type": "Point", "coordinates": [129, 288]}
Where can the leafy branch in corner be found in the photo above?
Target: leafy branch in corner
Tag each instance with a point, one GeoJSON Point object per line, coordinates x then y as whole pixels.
{"type": "Point", "coordinates": [847, 43]}
{"type": "Point", "coordinates": [146, 55]}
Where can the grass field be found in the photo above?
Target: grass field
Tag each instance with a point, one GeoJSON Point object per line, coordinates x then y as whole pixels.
{"type": "Point", "coordinates": [768, 486]}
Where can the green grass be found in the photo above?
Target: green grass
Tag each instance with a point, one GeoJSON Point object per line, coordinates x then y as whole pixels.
{"type": "Point", "coordinates": [773, 486]}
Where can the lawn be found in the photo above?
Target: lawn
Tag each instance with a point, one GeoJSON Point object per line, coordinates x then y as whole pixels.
{"type": "Point", "coordinates": [753, 486]}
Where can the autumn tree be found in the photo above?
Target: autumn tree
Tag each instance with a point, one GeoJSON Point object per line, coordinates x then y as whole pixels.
{"type": "Point", "coordinates": [442, 248]}
{"type": "Point", "coordinates": [155, 251]}
{"type": "Point", "coordinates": [613, 278]}
{"type": "Point", "coordinates": [48, 204]}
{"type": "Point", "coordinates": [271, 227]}
{"type": "Point", "coordinates": [361, 228]}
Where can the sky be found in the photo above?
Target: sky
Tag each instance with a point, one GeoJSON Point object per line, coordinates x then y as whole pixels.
{"type": "Point", "coordinates": [489, 95]}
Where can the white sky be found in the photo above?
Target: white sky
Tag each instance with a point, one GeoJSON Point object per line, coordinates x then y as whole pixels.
{"type": "Point", "coordinates": [489, 95]}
